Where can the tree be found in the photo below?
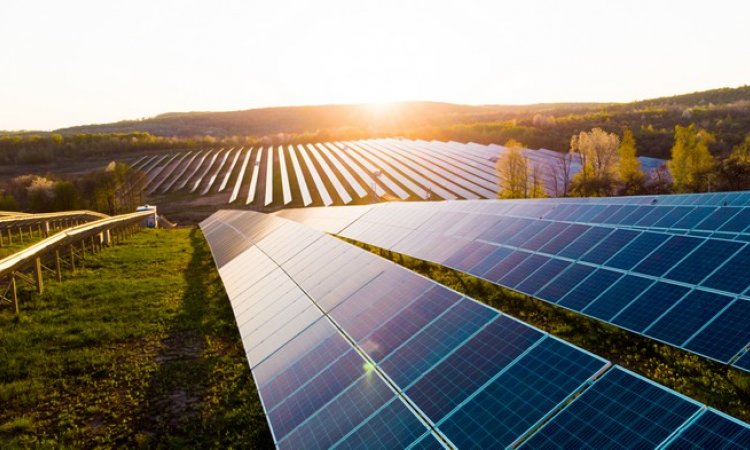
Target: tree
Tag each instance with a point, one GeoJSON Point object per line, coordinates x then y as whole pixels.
{"type": "Point", "coordinates": [513, 171]}
{"type": "Point", "coordinates": [559, 168]}
{"type": "Point", "coordinates": [597, 151]}
{"type": "Point", "coordinates": [518, 177]}
{"type": "Point", "coordinates": [692, 163]}
{"type": "Point", "coordinates": [631, 176]}
{"type": "Point", "coordinates": [733, 172]}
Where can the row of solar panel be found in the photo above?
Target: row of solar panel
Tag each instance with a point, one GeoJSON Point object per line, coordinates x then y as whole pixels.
{"type": "Point", "coordinates": [724, 222]}
{"type": "Point", "coordinates": [341, 172]}
{"type": "Point", "coordinates": [741, 198]}
{"type": "Point", "coordinates": [690, 292]}
{"type": "Point", "coordinates": [351, 351]}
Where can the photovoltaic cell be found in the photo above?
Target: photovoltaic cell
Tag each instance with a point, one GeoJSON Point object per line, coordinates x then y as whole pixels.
{"type": "Point", "coordinates": [733, 276]}
{"type": "Point", "coordinates": [643, 311]}
{"type": "Point", "coordinates": [619, 410]}
{"type": "Point", "coordinates": [449, 383]}
{"type": "Point", "coordinates": [688, 316]}
{"type": "Point", "coordinates": [589, 289]}
{"type": "Point", "coordinates": [726, 335]}
{"type": "Point", "coordinates": [617, 297]}
{"type": "Point", "coordinates": [542, 276]}
{"type": "Point", "coordinates": [427, 347]}
{"type": "Point", "coordinates": [666, 256]}
{"type": "Point", "coordinates": [609, 246]}
{"type": "Point", "coordinates": [704, 260]}
{"type": "Point", "coordinates": [394, 426]}
{"type": "Point", "coordinates": [634, 252]}
{"type": "Point", "coordinates": [565, 282]}
{"type": "Point", "coordinates": [519, 397]}
{"type": "Point", "coordinates": [713, 430]}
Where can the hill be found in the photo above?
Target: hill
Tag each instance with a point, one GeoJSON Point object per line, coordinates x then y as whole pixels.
{"type": "Point", "coordinates": [724, 112]}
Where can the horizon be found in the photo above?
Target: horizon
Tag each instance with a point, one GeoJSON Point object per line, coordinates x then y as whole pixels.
{"type": "Point", "coordinates": [142, 60]}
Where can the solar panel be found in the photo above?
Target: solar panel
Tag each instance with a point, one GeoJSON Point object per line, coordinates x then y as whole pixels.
{"type": "Point", "coordinates": [213, 177]}
{"type": "Point", "coordinates": [251, 191]}
{"type": "Point", "coordinates": [666, 286]}
{"type": "Point", "coordinates": [349, 350]}
{"type": "Point", "coordinates": [269, 177]}
{"type": "Point", "coordinates": [619, 410]}
{"type": "Point", "coordinates": [353, 183]}
{"type": "Point", "coordinates": [374, 172]}
{"type": "Point", "coordinates": [195, 170]}
{"type": "Point", "coordinates": [713, 429]}
{"type": "Point", "coordinates": [205, 170]}
{"type": "Point", "coordinates": [230, 170]}
{"type": "Point", "coordinates": [337, 186]}
{"type": "Point", "coordinates": [240, 176]}
{"type": "Point", "coordinates": [167, 176]}
{"type": "Point", "coordinates": [319, 186]}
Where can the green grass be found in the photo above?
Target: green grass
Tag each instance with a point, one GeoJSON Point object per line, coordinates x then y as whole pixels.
{"type": "Point", "coordinates": [712, 383]}
{"type": "Point", "coordinates": [137, 349]}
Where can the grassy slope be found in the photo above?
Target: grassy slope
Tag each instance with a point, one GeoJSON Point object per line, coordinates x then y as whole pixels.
{"type": "Point", "coordinates": [714, 384]}
{"type": "Point", "coordinates": [139, 348]}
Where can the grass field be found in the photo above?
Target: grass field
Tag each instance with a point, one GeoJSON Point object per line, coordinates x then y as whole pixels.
{"type": "Point", "coordinates": [137, 349]}
{"type": "Point", "coordinates": [712, 383]}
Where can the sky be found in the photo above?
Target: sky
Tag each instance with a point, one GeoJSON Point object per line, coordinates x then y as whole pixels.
{"type": "Point", "coordinates": [74, 62]}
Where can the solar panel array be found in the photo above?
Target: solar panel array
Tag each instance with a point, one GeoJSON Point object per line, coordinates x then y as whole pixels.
{"type": "Point", "coordinates": [342, 173]}
{"type": "Point", "coordinates": [681, 279]}
{"type": "Point", "coordinates": [349, 350]}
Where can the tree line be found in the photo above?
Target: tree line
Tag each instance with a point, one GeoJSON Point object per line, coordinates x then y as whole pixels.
{"type": "Point", "coordinates": [609, 166]}
{"type": "Point", "coordinates": [115, 189]}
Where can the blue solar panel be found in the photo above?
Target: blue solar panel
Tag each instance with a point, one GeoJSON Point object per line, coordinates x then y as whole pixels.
{"type": "Point", "coordinates": [688, 316]}
{"type": "Point", "coordinates": [338, 417]}
{"type": "Point", "coordinates": [427, 442]}
{"type": "Point", "coordinates": [542, 276]}
{"type": "Point", "coordinates": [621, 410]}
{"type": "Point", "coordinates": [704, 260]}
{"type": "Point", "coordinates": [554, 246]}
{"type": "Point", "coordinates": [617, 297]}
{"type": "Point", "coordinates": [726, 335]}
{"type": "Point", "coordinates": [643, 311]}
{"type": "Point", "coordinates": [585, 242]}
{"type": "Point", "coordinates": [394, 426]}
{"type": "Point", "coordinates": [667, 255]}
{"type": "Point", "coordinates": [449, 383]}
{"type": "Point", "coordinates": [673, 216]}
{"type": "Point", "coordinates": [717, 219]}
{"type": "Point", "coordinates": [523, 270]}
{"type": "Point", "coordinates": [519, 397]}
{"type": "Point", "coordinates": [609, 246]}
{"type": "Point", "coordinates": [737, 223]}
{"type": "Point", "coordinates": [713, 430]}
{"type": "Point", "coordinates": [693, 218]}
{"type": "Point", "coordinates": [743, 362]}
{"type": "Point", "coordinates": [426, 348]}
{"type": "Point", "coordinates": [315, 393]}
{"type": "Point", "coordinates": [497, 255]}
{"type": "Point", "coordinates": [653, 216]}
{"type": "Point", "coordinates": [634, 252]}
{"type": "Point", "coordinates": [541, 238]}
{"type": "Point", "coordinates": [505, 266]}
{"type": "Point", "coordinates": [590, 289]}
{"type": "Point", "coordinates": [733, 276]}
{"type": "Point", "coordinates": [408, 322]}
{"type": "Point", "coordinates": [565, 282]}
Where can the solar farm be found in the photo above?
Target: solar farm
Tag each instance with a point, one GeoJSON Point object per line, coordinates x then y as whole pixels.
{"type": "Point", "coordinates": [349, 350]}
{"type": "Point", "coordinates": [342, 173]}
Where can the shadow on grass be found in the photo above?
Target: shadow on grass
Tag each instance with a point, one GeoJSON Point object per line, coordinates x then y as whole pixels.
{"type": "Point", "coordinates": [202, 394]}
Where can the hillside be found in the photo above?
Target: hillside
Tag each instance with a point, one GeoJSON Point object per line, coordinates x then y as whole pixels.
{"type": "Point", "coordinates": [724, 112]}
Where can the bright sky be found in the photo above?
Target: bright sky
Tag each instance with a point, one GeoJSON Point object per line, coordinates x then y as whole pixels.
{"type": "Point", "coordinates": [75, 62]}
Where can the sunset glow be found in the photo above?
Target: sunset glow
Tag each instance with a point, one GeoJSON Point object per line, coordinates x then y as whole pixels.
{"type": "Point", "coordinates": [68, 63]}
